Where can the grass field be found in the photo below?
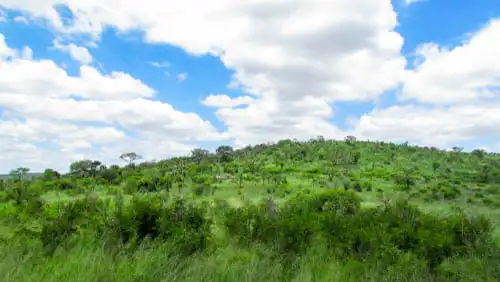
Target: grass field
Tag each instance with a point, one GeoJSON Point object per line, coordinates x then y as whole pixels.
{"type": "Point", "coordinates": [292, 211]}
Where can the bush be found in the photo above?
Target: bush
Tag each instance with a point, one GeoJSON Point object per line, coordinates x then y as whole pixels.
{"type": "Point", "coordinates": [368, 187]}
{"type": "Point", "coordinates": [357, 187]}
{"type": "Point", "coordinates": [487, 201]}
{"type": "Point", "coordinates": [200, 189]}
{"type": "Point", "coordinates": [492, 190]}
{"type": "Point", "coordinates": [290, 228]}
{"type": "Point", "coordinates": [450, 193]}
{"type": "Point", "coordinates": [479, 195]}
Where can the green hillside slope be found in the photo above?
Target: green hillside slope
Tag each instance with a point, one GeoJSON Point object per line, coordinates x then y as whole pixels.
{"type": "Point", "coordinates": [293, 211]}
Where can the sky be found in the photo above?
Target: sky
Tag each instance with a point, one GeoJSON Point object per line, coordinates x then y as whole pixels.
{"type": "Point", "coordinates": [93, 79]}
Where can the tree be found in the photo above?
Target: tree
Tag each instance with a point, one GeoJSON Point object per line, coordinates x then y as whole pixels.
{"type": "Point", "coordinates": [50, 175]}
{"type": "Point", "coordinates": [350, 139]}
{"type": "Point", "coordinates": [199, 155]}
{"type": "Point", "coordinates": [479, 153]}
{"type": "Point", "coordinates": [355, 157]}
{"type": "Point", "coordinates": [435, 166]}
{"type": "Point", "coordinates": [111, 174]}
{"type": "Point", "coordinates": [457, 149]}
{"type": "Point", "coordinates": [94, 165]}
{"type": "Point", "coordinates": [81, 168]}
{"type": "Point", "coordinates": [20, 174]}
{"type": "Point", "coordinates": [225, 153]}
{"type": "Point", "coordinates": [19, 187]}
{"type": "Point", "coordinates": [484, 173]}
{"type": "Point", "coordinates": [130, 158]}
{"type": "Point", "coordinates": [407, 178]}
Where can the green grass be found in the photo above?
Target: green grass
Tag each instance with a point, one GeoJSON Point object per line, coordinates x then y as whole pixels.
{"type": "Point", "coordinates": [85, 257]}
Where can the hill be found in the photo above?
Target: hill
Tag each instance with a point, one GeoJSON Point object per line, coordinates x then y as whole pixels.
{"type": "Point", "coordinates": [321, 210]}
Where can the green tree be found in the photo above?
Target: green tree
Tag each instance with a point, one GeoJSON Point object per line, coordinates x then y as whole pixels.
{"type": "Point", "coordinates": [19, 185]}
{"type": "Point", "coordinates": [20, 174]}
{"type": "Point", "coordinates": [130, 158]}
{"type": "Point", "coordinates": [199, 154]}
{"type": "Point", "coordinates": [225, 153]}
{"type": "Point", "coordinates": [435, 166]}
{"type": "Point", "coordinates": [479, 153]}
{"type": "Point", "coordinates": [50, 175]}
{"type": "Point", "coordinates": [81, 168]}
{"type": "Point", "coordinates": [350, 139]}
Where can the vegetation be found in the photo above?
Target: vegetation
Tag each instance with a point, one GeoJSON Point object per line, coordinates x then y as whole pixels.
{"type": "Point", "coordinates": [293, 211]}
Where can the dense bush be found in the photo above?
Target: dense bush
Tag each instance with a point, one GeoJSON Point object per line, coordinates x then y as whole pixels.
{"type": "Point", "coordinates": [352, 233]}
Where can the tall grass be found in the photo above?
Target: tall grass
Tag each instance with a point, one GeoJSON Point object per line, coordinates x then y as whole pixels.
{"type": "Point", "coordinates": [311, 237]}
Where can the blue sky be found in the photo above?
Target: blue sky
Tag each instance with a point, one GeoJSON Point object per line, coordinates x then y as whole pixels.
{"type": "Point", "coordinates": [173, 59]}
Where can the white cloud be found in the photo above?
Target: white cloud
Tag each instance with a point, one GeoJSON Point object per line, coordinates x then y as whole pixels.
{"type": "Point", "coordinates": [28, 77]}
{"type": "Point", "coordinates": [224, 101]}
{"type": "Point", "coordinates": [353, 53]}
{"type": "Point", "coordinates": [270, 119]}
{"type": "Point", "coordinates": [21, 19]}
{"type": "Point", "coordinates": [160, 65]}
{"type": "Point", "coordinates": [463, 74]}
{"type": "Point", "coordinates": [3, 16]}
{"type": "Point", "coordinates": [182, 76]}
{"type": "Point", "coordinates": [294, 59]}
{"type": "Point", "coordinates": [5, 51]}
{"type": "Point", "coordinates": [462, 84]}
{"type": "Point", "coordinates": [78, 53]}
{"type": "Point", "coordinates": [338, 50]}
{"type": "Point", "coordinates": [44, 126]}
{"type": "Point", "coordinates": [438, 126]}
{"type": "Point", "coordinates": [27, 53]}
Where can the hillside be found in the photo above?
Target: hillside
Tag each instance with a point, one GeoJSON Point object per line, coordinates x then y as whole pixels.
{"type": "Point", "coordinates": [293, 211]}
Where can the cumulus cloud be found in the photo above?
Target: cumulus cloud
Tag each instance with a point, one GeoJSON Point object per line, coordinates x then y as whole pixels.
{"type": "Point", "coordinates": [464, 74]}
{"type": "Point", "coordinates": [5, 51]}
{"type": "Point", "coordinates": [293, 59]}
{"type": "Point", "coordinates": [224, 101]}
{"type": "Point", "coordinates": [21, 77]}
{"type": "Point", "coordinates": [460, 87]}
{"type": "Point", "coordinates": [114, 113]}
{"type": "Point", "coordinates": [78, 53]}
{"type": "Point", "coordinates": [437, 126]}
{"type": "Point", "coordinates": [283, 53]}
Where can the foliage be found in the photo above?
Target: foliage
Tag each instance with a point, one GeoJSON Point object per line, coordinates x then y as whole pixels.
{"type": "Point", "coordinates": [287, 208]}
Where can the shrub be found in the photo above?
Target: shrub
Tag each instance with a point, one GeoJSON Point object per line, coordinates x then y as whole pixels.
{"type": "Point", "coordinates": [200, 189]}
{"type": "Point", "coordinates": [347, 185]}
{"type": "Point", "coordinates": [479, 195]}
{"type": "Point", "coordinates": [357, 187]}
{"type": "Point", "coordinates": [492, 190]}
{"type": "Point", "coordinates": [487, 201]}
{"type": "Point", "coordinates": [450, 193]}
{"type": "Point", "coordinates": [368, 187]}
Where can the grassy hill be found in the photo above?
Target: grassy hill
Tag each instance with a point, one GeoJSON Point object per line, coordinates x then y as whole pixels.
{"type": "Point", "coordinates": [293, 211]}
